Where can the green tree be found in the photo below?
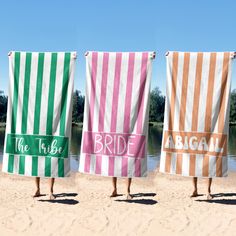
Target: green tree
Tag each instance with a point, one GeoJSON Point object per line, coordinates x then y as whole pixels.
{"type": "Point", "coordinates": [233, 106]}
{"type": "Point", "coordinates": [78, 107]}
{"type": "Point", "coordinates": [157, 105]}
{"type": "Point", "coordinates": [3, 106]}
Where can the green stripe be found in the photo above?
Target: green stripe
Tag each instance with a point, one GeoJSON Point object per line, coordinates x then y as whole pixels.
{"type": "Point", "coordinates": [15, 103]}
{"type": "Point", "coordinates": [64, 93]}
{"type": "Point", "coordinates": [10, 163]}
{"type": "Point", "coordinates": [38, 108]}
{"type": "Point", "coordinates": [66, 75]}
{"type": "Point", "coordinates": [38, 93]}
{"type": "Point", "coordinates": [26, 92]}
{"type": "Point", "coordinates": [50, 108]}
{"type": "Point", "coordinates": [51, 94]}
{"type": "Point", "coordinates": [16, 88]}
{"type": "Point", "coordinates": [25, 106]}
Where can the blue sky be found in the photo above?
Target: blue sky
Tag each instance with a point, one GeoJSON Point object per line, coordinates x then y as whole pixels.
{"type": "Point", "coordinates": [124, 25]}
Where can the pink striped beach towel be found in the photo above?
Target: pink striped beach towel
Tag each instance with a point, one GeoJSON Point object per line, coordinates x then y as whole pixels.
{"type": "Point", "coordinates": [114, 141]}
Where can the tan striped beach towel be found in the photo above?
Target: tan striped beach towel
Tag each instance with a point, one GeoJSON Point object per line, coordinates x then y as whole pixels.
{"type": "Point", "coordinates": [196, 122]}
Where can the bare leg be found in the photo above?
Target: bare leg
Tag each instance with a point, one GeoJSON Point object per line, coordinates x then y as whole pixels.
{"type": "Point", "coordinates": [128, 196]}
{"type": "Point", "coordinates": [195, 193]}
{"type": "Point", "coordinates": [37, 182]}
{"type": "Point", "coordinates": [209, 196]}
{"type": "Point", "coordinates": [114, 182]}
{"type": "Point", "coordinates": [52, 180]}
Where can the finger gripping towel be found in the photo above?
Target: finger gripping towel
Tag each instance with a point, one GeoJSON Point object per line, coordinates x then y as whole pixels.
{"type": "Point", "coordinates": [114, 141]}
{"type": "Point", "coordinates": [196, 114]}
{"type": "Point", "coordinates": [39, 114]}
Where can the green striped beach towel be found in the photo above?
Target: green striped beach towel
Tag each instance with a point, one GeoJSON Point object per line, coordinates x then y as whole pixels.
{"type": "Point", "coordinates": [38, 127]}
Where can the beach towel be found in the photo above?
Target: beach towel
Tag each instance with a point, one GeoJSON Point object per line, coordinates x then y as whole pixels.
{"type": "Point", "coordinates": [38, 126]}
{"type": "Point", "coordinates": [114, 139]}
{"type": "Point", "coordinates": [196, 119]}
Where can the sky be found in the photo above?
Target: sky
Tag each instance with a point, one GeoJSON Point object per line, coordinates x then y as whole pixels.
{"type": "Point", "coordinates": [122, 25]}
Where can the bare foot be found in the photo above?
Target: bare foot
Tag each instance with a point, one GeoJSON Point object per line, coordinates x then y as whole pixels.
{"type": "Point", "coordinates": [114, 194]}
{"type": "Point", "coordinates": [37, 193]}
{"type": "Point", "coordinates": [209, 196]}
{"type": "Point", "coordinates": [52, 197]}
{"type": "Point", "coordinates": [194, 194]}
{"type": "Point", "coordinates": [128, 196]}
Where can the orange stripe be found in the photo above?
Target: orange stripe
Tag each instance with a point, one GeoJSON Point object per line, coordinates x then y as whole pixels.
{"type": "Point", "coordinates": [197, 91]}
{"type": "Point", "coordinates": [219, 166]}
{"type": "Point", "coordinates": [179, 161]}
{"type": "Point", "coordinates": [221, 121]}
{"type": "Point", "coordinates": [173, 89]}
{"type": "Point", "coordinates": [168, 162]}
{"type": "Point", "coordinates": [192, 165]}
{"type": "Point", "coordinates": [205, 167]}
{"type": "Point", "coordinates": [184, 91]}
{"type": "Point", "coordinates": [210, 89]}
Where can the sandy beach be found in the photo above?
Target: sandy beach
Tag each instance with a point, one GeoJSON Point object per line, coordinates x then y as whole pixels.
{"type": "Point", "coordinates": [161, 206]}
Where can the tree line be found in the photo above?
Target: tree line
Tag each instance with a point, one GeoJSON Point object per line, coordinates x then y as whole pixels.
{"type": "Point", "coordinates": [157, 106]}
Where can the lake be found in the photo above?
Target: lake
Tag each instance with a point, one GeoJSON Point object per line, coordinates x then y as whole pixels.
{"type": "Point", "coordinates": [154, 146]}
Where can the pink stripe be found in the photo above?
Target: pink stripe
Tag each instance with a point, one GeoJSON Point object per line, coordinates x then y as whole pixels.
{"type": "Point", "coordinates": [124, 170]}
{"type": "Point", "coordinates": [116, 91]}
{"type": "Point", "coordinates": [111, 166]}
{"type": "Point", "coordinates": [141, 93]}
{"type": "Point", "coordinates": [137, 172]}
{"type": "Point", "coordinates": [129, 93]}
{"type": "Point", "coordinates": [87, 163]}
{"type": "Point", "coordinates": [98, 164]}
{"type": "Point", "coordinates": [103, 92]}
{"type": "Point", "coordinates": [93, 90]}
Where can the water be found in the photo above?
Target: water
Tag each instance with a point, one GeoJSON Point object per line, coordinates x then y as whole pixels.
{"type": "Point", "coordinates": [154, 147]}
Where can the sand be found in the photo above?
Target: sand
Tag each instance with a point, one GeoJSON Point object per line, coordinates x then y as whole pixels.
{"type": "Point", "coordinates": [161, 206]}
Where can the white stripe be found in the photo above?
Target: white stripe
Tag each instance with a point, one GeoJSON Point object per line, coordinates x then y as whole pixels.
{"type": "Point", "coordinates": [105, 165]}
{"type": "Point", "coordinates": [58, 94]}
{"type": "Point", "coordinates": [162, 161]}
{"type": "Point", "coordinates": [135, 91]}
{"type": "Point", "coordinates": [117, 166]}
{"type": "Point", "coordinates": [54, 167]}
{"type": "Point", "coordinates": [45, 90]}
{"type": "Point", "coordinates": [173, 163]}
{"type": "Point", "coordinates": [131, 166]}
{"type": "Point", "coordinates": [109, 92]}
{"type": "Point", "coordinates": [98, 92]}
{"type": "Point", "coordinates": [122, 94]}
{"type": "Point", "coordinates": [178, 91]}
{"type": "Point", "coordinates": [70, 97]}
{"type": "Point", "coordinates": [169, 62]}
{"type": "Point", "coordinates": [32, 93]}
{"type": "Point", "coordinates": [28, 165]}
{"type": "Point", "coordinates": [185, 164]}
{"type": "Point", "coordinates": [146, 104]}
{"type": "Point", "coordinates": [20, 92]}
{"type": "Point", "coordinates": [190, 95]}
{"type": "Point", "coordinates": [41, 166]}
{"type": "Point", "coordinates": [217, 92]}
{"type": "Point", "coordinates": [203, 92]}
{"type": "Point", "coordinates": [212, 166]}
{"type": "Point", "coordinates": [92, 163]}
{"type": "Point", "coordinates": [227, 100]}
{"type": "Point", "coordinates": [5, 162]}
{"type": "Point", "coordinates": [16, 164]}
{"type": "Point", "coordinates": [81, 162]}
{"type": "Point", "coordinates": [66, 167]}
{"type": "Point", "coordinates": [199, 165]}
